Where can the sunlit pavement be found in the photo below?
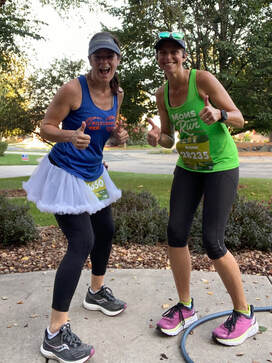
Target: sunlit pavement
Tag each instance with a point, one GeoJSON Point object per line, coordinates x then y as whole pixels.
{"type": "Point", "coordinates": [150, 162]}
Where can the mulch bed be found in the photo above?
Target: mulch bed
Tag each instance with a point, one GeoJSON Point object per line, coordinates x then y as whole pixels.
{"type": "Point", "coordinates": [12, 193]}
{"type": "Point", "coordinates": [265, 149]}
{"type": "Point", "coordinates": [47, 252]}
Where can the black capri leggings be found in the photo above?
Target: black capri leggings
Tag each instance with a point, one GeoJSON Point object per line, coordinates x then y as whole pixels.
{"type": "Point", "coordinates": [219, 191]}
{"type": "Point", "coordinates": [86, 235]}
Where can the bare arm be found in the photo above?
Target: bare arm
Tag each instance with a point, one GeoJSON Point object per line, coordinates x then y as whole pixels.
{"type": "Point", "coordinates": [167, 138]}
{"type": "Point", "coordinates": [209, 86]}
{"type": "Point", "coordinates": [66, 99]}
{"type": "Point", "coordinates": [163, 136]}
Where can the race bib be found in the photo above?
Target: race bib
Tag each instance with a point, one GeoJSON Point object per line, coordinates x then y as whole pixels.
{"type": "Point", "coordinates": [195, 152]}
{"type": "Point", "coordinates": [99, 188]}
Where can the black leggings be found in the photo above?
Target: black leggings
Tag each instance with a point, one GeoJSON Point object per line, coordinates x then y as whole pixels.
{"type": "Point", "coordinates": [86, 235]}
{"type": "Point", "coordinates": [219, 191]}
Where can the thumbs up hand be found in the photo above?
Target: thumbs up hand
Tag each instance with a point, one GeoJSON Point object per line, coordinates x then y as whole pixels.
{"type": "Point", "coordinates": [209, 114]}
{"type": "Point", "coordinates": [154, 134]}
{"type": "Point", "coordinates": [119, 134]}
{"type": "Point", "coordinates": [79, 139]}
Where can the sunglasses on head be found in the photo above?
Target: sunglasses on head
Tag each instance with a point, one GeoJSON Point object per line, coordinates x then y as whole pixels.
{"type": "Point", "coordinates": [174, 35]}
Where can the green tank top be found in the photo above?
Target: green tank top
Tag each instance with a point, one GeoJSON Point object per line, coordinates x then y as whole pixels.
{"type": "Point", "coordinates": [202, 148]}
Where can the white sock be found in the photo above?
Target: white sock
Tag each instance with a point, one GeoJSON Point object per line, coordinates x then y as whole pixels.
{"type": "Point", "coordinates": [94, 292]}
{"type": "Point", "coordinates": [51, 335]}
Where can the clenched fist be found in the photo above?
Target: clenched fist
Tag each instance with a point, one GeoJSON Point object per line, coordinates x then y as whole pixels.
{"type": "Point", "coordinates": [154, 134]}
{"type": "Point", "coordinates": [119, 134]}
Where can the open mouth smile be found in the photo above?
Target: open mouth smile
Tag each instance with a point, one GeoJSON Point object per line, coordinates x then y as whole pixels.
{"type": "Point", "coordinates": [105, 70]}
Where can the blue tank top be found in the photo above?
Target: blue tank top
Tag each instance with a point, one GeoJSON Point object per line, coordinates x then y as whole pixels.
{"type": "Point", "coordinates": [86, 164]}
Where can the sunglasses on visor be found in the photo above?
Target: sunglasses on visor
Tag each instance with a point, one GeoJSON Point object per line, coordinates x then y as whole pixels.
{"type": "Point", "coordinates": [174, 35]}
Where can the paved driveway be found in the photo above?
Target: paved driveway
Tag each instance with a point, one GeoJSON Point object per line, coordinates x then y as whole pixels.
{"type": "Point", "coordinates": [149, 162]}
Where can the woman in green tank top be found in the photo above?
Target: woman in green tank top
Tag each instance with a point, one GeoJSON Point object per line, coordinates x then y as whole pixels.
{"type": "Point", "coordinates": [196, 105]}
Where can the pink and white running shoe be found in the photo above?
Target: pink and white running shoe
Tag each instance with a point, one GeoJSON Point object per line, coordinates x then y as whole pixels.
{"type": "Point", "coordinates": [176, 319]}
{"type": "Point", "coordinates": [236, 329]}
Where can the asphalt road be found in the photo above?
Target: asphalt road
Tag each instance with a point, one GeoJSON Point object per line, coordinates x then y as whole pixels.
{"type": "Point", "coordinates": [151, 162]}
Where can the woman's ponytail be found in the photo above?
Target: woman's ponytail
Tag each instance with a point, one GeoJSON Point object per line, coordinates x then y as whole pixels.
{"type": "Point", "coordinates": [114, 84]}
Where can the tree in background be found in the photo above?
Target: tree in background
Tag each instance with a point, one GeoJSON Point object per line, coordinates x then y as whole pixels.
{"type": "Point", "coordinates": [14, 116]}
{"type": "Point", "coordinates": [44, 83]}
{"type": "Point", "coordinates": [15, 24]}
{"type": "Point", "coordinates": [64, 5]}
{"type": "Point", "coordinates": [221, 37]}
{"type": "Point", "coordinates": [23, 101]}
{"type": "Point", "coordinates": [253, 88]}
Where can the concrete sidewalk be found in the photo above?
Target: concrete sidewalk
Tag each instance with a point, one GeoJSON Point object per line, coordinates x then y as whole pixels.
{"type": "Point", "coordinates": [130, 337]}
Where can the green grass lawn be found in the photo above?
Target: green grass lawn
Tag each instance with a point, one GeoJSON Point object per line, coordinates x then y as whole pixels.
{"type": "Point", "coordinates": [12, 183]}
{"type": "Point", "coordinates": [158, 185]}
{"type": "Point", "coordinates": [41, 219]}
{"type": "Point", "coordinates": [256, 189]}
{"type": "Point", "coordinates": [16, 159]}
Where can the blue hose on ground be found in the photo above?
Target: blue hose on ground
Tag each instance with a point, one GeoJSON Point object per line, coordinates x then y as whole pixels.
{"type": "Point", "coordinates": [203, 320]}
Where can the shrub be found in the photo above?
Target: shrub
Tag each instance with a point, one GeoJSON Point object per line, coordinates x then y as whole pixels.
{"type": "Point", "coordinates": [3, 147]}
{"type": "Point", "coordinates": [249, 227]}
{"type": "Point", "coordinates": [139, 219]}
{"type": "Point", "coordinates": [137, 136]}
{"type": "Point", "coordinates": [16, 225]}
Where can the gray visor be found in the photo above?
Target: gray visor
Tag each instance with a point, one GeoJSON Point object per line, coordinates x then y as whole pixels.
{"type": "Point", "coordinates": [103, 41]}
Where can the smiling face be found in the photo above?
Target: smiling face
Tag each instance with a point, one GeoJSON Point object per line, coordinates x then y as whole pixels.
{"type": "Point", "coordinates": [104, 63]}
{"type": "Point", "coordinates": [170, 56]}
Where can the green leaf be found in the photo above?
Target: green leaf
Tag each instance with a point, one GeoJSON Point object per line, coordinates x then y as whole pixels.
{"type": "Point", "coordinates": [262, 329]}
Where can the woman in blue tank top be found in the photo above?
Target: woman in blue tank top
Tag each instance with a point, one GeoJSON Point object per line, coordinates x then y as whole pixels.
{"type": "Point", "coordinates": [73, 183]}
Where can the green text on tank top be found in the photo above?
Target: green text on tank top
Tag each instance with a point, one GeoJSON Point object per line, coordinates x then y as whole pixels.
{"type": "Point", "coordinates": [201, 147]}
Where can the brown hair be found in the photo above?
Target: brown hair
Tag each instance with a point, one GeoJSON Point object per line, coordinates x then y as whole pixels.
{"type": "Point", "coordinates": [114, 83]}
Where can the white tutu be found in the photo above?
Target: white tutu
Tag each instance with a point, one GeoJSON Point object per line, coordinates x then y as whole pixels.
{"type": "Point", "coordinates": [56, 191]}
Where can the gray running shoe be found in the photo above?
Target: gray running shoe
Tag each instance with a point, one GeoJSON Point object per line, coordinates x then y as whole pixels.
{"type": "Point", "coordinates": [104, 301]}
{"type": "Point", "coordinates": [66, 347]}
